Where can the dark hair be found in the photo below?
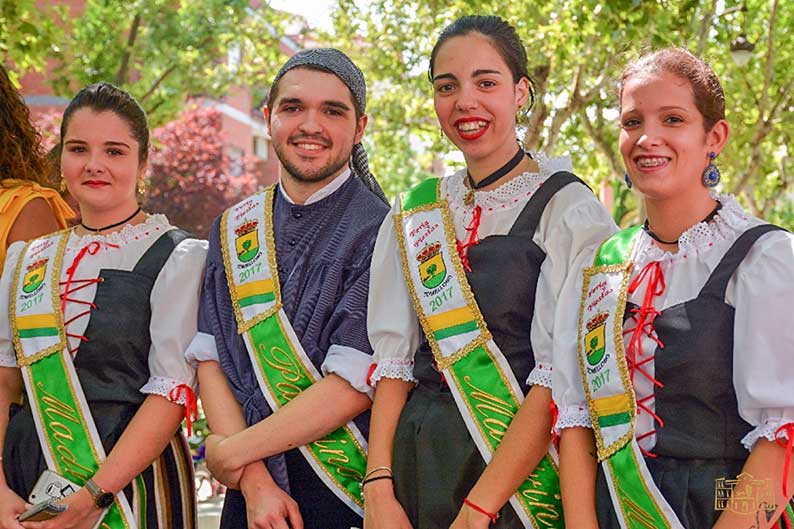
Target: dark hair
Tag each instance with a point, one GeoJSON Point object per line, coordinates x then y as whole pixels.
{"type": "Point", "coordinates": [273, 93]}
{"type": "Point", "coordinates": [503, 37]}
{"type": "Point", "coordinates": [21, 153]}
{"type": "Point", "coordinates": [105, 97]}
{"type": "Point", "coordinates": [706, 87]}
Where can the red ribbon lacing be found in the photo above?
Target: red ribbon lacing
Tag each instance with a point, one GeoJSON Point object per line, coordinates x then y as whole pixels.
{"type": "Point", "coordinates": [463, 247]}
{"type": "Point", "coordinates": [555, 415]}
{"type": "Point", "coordinates": [191, 408]}
{"type": "Point", "coordinates": [787, 429]}
{"type": "Point", "coordinates": [79, 284]}
{"type": "Point", "coordinates": [643, 325]}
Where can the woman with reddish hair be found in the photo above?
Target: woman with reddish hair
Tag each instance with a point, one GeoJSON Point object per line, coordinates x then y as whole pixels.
{"type": "Point", "coordinates": [686, 333]}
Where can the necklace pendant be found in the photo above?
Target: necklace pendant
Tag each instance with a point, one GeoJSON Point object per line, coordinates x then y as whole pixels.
{"type": "Point", "coordinates": [469, 198]}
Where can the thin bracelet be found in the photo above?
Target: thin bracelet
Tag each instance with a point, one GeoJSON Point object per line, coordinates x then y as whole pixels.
{"type": "Point", "coordinates": [492, 516]}
{"type": "Point", "coordinates": [376, 478]}
{"type": "Point", "coordinates": [376, 469]}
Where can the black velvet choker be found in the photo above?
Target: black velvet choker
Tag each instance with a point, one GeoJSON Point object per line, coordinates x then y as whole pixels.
{"type": "Point", "coordinates": [109, 226]}
{"type": "Point", "coordinates": [471, 185]}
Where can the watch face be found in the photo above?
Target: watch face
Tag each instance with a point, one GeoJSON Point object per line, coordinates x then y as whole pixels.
{"type": "Point", "coordinates": [105, 500]}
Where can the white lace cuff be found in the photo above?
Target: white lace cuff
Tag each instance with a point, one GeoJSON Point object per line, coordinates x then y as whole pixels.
{"type": "Point", "coordinates": [201, 349]}
{"type": "Point", "coordinates": [350, 364]}
{"type": "Point", "coordinates": [8, 360]}
{"type": "Point", "coordinates": [393, 368]}
{"type": "Point", "coordinates": [573, 416]}
{"type": "Point", "coordinates": [767, 431]}
{"type": "Point", "coordinates": [166, 387]}
{"type": "Point", "coordinates": [540, 376]}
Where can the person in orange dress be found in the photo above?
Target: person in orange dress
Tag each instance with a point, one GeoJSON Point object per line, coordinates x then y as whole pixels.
{"type": "Point", "coordinates": [28, 208]}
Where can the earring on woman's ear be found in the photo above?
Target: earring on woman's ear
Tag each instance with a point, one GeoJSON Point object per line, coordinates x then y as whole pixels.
{"type": "Point", "coordinates": [141, 187]}
{"type": "Point", "coordinates": [62, 185]}
{"type": "Point", "coordinates": [627, 179]}
{"type": "Point", "coordinates": [711, 176]}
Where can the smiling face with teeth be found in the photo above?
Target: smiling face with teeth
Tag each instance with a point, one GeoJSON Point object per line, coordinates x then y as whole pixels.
{"type": "Point", "coordinates": [476, 100]}
{"type": "Point", "coordinates": [663, 140]}
{"type": "Point", "coordinates": [313, 125]}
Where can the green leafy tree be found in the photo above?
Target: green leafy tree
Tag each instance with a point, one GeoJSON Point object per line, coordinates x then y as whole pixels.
{"type": "Point", "coordinates": [577, 49]}
{"type": "Point", "coordinates": [27, 36]}
{"type": "Point", "coordinates": [160, 51]}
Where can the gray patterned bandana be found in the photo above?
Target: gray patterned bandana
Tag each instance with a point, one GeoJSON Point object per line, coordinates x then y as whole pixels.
{"type": "Point", "coordinates": [334, 61]}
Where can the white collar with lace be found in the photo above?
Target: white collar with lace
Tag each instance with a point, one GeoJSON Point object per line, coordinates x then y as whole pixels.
{"type": "Point", "coordinates": [731, 221]}
{"type": "Point", "coordinates": [156, 223]}
{"type": "Point", "coordinates": [511, 194]}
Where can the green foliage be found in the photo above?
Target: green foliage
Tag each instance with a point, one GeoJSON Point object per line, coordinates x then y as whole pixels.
{"type": "Point", "coordinates": [577, 49]}
{"type": "Point", "coordinates": [27, 36]}
{"type": "Point", "coordinates": [160, 51]}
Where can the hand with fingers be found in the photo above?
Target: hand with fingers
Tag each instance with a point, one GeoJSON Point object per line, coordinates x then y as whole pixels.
{"type": "Point", "coordinates": [218, 465]}
{"type": "Point", "coordinates": [269, 507]}
{"type": "Point", "coordinates": [81, 513]}
{"type": "Point", "coordinates": [11, 506]}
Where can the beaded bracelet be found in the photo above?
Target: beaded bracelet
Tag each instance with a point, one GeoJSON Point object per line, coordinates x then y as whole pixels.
{"type": "Point", "coordinates": [491, 515]}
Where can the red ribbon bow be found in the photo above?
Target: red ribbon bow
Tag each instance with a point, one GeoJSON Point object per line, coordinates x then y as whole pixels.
{"type": "Point", "coordinates": [787, 429]}
{"type": "Point", "coordinates": [191, 408]}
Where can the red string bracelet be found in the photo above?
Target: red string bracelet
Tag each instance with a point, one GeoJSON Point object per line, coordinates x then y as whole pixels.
{"type": "Point", "coordinates": [492, 516]}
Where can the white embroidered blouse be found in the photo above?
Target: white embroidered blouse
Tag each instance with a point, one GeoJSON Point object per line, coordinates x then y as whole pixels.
{"type": "Point", "coordinates": [761, 291]}
{"type": "Point", "coordinates": [174, 297]}
{"type": "Point", "coordinates": [573, 221]}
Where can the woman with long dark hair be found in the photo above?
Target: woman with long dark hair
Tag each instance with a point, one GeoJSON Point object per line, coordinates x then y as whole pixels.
{"type": "Point", "coordinates": [463, 315]}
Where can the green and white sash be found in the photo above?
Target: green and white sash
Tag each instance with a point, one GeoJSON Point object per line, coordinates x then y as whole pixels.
{"type": "Point", "coordinates": [68, 435]}
{"type": "Point", "coordinates": [283, 370]}
{"type": "Point", "coordinates": [609, 391]}
{"type": "Point", "coordinates": [484, 387]}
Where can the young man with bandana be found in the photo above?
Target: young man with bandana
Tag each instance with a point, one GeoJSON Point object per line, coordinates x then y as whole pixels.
{"type": "Point", "coordinates": [282, 345]}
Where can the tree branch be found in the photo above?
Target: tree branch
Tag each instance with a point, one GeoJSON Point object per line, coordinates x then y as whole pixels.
{"type": "Point", "coordinates": [601, 142]}
{"type": "Point", "coordinates": [705, 25]}
{"type": "Point", "coordinates": [121, 74]}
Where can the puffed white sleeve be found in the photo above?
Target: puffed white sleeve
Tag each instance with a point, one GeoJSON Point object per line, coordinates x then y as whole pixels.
{"type": "Point", "coordinates": [763, 359]}
{"type": "Point", "coordinates": [174, 303]}
{"type": "Point", "coordinates": [7, 355]}
{"type": "Point", "coordinates": [572, 227]}
{"type": "Point", "coordinates": [392, 325]}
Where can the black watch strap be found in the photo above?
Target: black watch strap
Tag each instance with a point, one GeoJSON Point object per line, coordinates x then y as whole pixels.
{"type": "Point", "coordinates": [102, 498]}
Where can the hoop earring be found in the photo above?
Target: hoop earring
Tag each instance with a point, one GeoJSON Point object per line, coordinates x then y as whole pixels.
{"type": "Point", "coordinates": [627, 179]}
{"type": "Point", "coordinates": [711, 176]}
{"type": "Point", "coordinates": [141, 187]}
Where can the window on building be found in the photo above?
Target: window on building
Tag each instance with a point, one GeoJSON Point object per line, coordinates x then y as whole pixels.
{"type": "Point", "coordinates": [236, 156]}
{"type": "Point", "coordinates": [261, 147]}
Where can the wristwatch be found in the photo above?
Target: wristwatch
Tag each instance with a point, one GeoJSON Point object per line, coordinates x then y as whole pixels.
{"type": "Point", "coordinates": [102, 498]}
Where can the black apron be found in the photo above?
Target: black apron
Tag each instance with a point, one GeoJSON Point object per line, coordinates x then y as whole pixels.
{"type": "Point", "coordinates": [112, 367]}
{"type": "Point", "coordinates": [701, 438]}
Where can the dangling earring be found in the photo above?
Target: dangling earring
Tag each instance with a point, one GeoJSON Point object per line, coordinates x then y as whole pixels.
{"type": "Point", "coordinates": [711, 176]}
{"type": "Point", "coordinates": [62, 185]}
{"type": "Point", "coordinates": [141, 187]}
{"type": "Point", "coordinates": [627, 180]}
